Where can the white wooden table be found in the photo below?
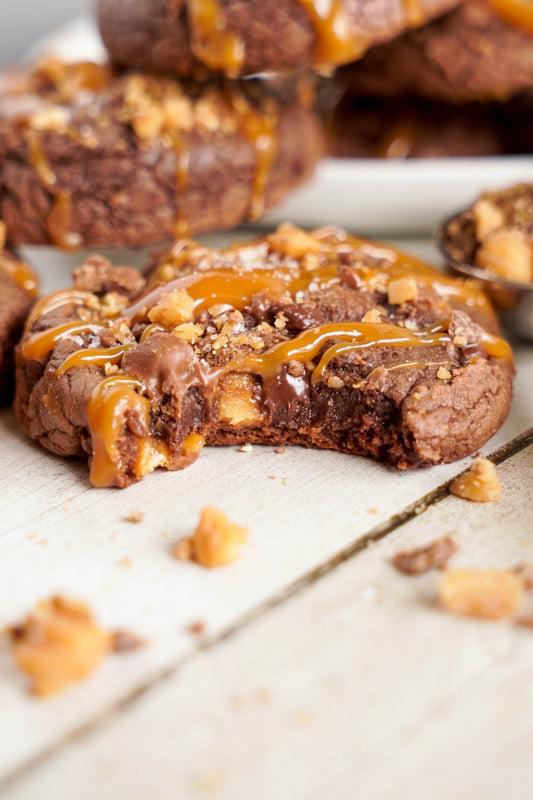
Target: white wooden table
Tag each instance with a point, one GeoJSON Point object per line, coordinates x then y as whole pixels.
{"type": "Point", "coordinates": [322, 672]}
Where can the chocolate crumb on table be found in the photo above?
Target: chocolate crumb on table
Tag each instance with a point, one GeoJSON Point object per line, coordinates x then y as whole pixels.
{"type": "Point", "coordinates": [133, 390]}
{"type": "Point", "coordinates": [433, 556]}
{"type": "Point", "coordinates": [125, 641]}
{"type": "Point", "coordinates": [216, 541]}
{"type": "Point", "coordinates": [488, 594]}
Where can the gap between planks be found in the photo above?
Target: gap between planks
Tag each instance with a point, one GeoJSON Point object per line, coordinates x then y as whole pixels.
{"type": "Point", "coordinates": [307, 580]}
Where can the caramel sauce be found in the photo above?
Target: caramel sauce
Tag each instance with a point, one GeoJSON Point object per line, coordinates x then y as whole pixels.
{"type": "Point", "coordinates": [95, 356]}
{"type": "Point", "coordinates": [516, 12]}
{"type": "Point", "coordinates": [56, 300]}
{"type": "Point", "coordinates": [59, 218]}
{"type": "Point", "coordinates": [354, 335]}
{"type": "Point", "coordinates": [260, 130]}
{"type": "Point", "coordinates": [40, 344]}
{"type": "Point", "coordinates": [211, 41]}
{"type": "Point", "coordinates": [414, 12]}
{"type": "Point", "coordinates": [336, 40]}
{"type": "Point", "coordinates": [107, 407]}
{"type": "Point", "coordinates": [58, 223]}
{"type": "Point", "coordinates": [19, 272]}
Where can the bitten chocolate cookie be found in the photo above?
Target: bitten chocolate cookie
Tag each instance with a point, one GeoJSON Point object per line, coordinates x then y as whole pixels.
{"type": "Point", "coordinates": [318, 339]}
{"type": "Point", "coordinates": [89, 159]}
{"type": "Point", "coordinates": [18, 290]}
{"type": "Point", "coordinates": [192, 37]}
{"type": "Point", "coordinates": [478, 51]}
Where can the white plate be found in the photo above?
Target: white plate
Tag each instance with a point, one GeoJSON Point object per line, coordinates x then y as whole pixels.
{"type": "Point", "coordinates": [373, 197]}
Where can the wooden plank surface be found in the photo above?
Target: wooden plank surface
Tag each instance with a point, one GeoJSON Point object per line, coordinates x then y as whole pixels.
{"type": "Point", "coordinates": [306, 511]}
{"type": "Point", "coordinates": [360, 686]}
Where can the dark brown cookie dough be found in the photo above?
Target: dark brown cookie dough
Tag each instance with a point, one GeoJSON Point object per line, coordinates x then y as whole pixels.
{"type": "Point", "coordinates": [90, 159]}
{"type": "Point", "coordinates": [471, 53]}
{"type": "Point", "coordinates": [18, 289]}
{"type": "Point", "coordinates": [192, 37]}
{"type": "Point", "coordinates": [320, 339]}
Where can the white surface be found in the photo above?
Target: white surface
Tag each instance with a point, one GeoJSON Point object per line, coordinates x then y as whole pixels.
{"type": "Point", "coordinates": [372, 197]}
{"type": "Point", "coordinates": [358, 688]}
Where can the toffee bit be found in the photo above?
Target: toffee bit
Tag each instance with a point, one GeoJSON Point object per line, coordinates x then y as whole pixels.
{"type": "Point", "coordinates": [433, 556]}
{"type": "Point", "coordinates": [216, 541]}
{"type": "Point", "coordinates": [487, 594]}
{"type": "Point", "coordinates": [57, 644]}
{"type": "Point", "coordinates": [479, 484]}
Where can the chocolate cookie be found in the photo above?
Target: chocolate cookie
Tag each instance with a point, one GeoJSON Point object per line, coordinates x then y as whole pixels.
{"type": "Point", "coordinates": [367, 127]}
{"type": "Point", "coordinates": [90, 159]}
{"type": "Point", "coordinates": [471, 53]}
{"type": "Point", "coordinates": [192, 37]}
{"type": "Point", "coordinates": [318, 339]}
{"type": "Point", "coordinates": [18, 289]}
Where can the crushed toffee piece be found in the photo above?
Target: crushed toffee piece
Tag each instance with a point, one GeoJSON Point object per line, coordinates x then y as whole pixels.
{"type": "Point", "coordinates": [487, 594]}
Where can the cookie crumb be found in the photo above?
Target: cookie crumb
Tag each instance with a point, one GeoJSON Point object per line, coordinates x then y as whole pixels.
{"type": "Point", "coordinates": [433, 556]}
{"type": "Point", "coordinates": [487, 594]}
{"type": "Point", "coordinates": [197, 628]}
{"type": "Point", "coordinates": [280, 450]}
{"type": "Point", "coordinates": [183, 549]}
{"type": "Point", "coordinates": [135, 517]}
{"type": "Point", "coordinates": [125, 642]}
{"type": "Point", "coordinates": [57, 644]}
{"type": "Point", "coordinates": [245, 448]}
{"type": "Point", "coordinates": [479, 484]}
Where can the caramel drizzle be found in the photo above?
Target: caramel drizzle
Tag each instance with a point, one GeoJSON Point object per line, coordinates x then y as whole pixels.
{"type": "Point", "coordinates": [19, 272]}
{"type": "Point", "coordinates": [40, 344]}
{"type": "Point", "coordinates": [57, 300]}
{"type": "Point", "coordinates": [212, 42]}
{"type": "Point", "coordinates": [94, 356]}
{"type": "Point", "coordinates": [107, 406]}
{"type": "Point", "coordinates": [336, 40]}
{"type": "Point", "coordinates": [516, 12]}
{"type": "Point", "coordinates": [354, 335]}
{"type": "Point", "coordinates": [58, 222]}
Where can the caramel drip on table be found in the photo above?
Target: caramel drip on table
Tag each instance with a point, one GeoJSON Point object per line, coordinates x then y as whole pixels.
{"type": "Point", "coordinates": [211, 40]}
{"type": "Point", "coordinates": [107, 407]}
{"type": "Point", "coordinates": [336, 40]}
{"type": "Point", "coordinates": [516, 12]}
{"type": "Point", "coordinates": [40, 344]}
{"type": "Point", "coordinates": [19, 272]}
{"type": "Point", "coordinates": [94, 356]}
{"type": "Point", "coordinates": [59, 218]}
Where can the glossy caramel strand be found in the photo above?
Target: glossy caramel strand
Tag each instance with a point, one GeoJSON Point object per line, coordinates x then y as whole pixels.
{"type": "Point", "coordinates": [212, 42]}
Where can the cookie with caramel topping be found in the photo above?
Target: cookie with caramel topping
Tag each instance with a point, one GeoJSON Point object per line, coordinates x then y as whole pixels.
{"type": "Point", "coordinates": [18, 290]}
{"type": "Point", "coordinates": [304, 338]}
{"type": "Point", "coordinates": [481, 50]}
{"type": "Point", "coordinates": [229, 37]}
{"type": "Point", "coordinates": [93, 159]}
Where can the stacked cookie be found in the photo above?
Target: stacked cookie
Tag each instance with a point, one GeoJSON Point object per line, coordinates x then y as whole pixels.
{"type": "Point", "coordinates": [317, 339]}
{"type": "Point", "coordinates": [460, 85]}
